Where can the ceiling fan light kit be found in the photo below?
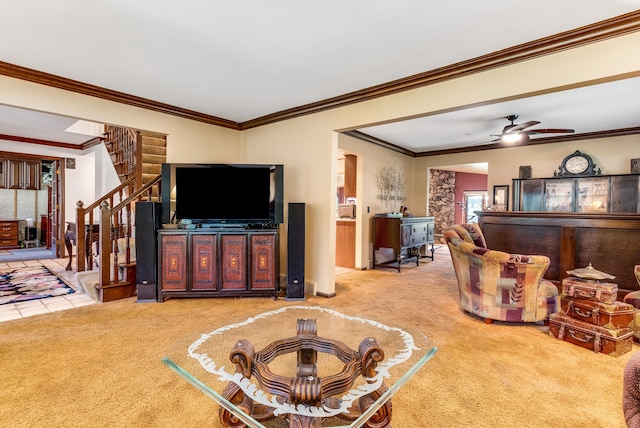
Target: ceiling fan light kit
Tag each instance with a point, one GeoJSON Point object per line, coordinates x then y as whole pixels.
{"type": "Point", "coordinates": [516, 133]}
{"type": "Point", "coordinates": [512, 137]}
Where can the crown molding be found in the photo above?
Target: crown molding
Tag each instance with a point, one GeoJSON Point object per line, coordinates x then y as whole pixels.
{"type": "Point", "coordinates": [50, 143]}
{"type": "Point", "coordinates": [59, 82]}
{"type": "Point", "coordinates": [614, 27]}
{"type": "Point", "coordinates": [532, 142]}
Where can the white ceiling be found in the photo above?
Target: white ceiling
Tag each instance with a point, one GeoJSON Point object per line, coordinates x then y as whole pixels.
{"type": "Point", "coordinates": [240, 60]}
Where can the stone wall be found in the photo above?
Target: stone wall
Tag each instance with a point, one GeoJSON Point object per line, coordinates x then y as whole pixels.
{"type": "Point", "coordinates": [442, 186]}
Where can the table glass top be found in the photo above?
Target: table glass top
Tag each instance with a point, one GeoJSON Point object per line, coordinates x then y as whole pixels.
{"type": "Point", "coordinates": [203, 359]}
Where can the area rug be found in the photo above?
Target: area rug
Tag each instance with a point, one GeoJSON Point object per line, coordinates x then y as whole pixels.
{"type": "Point", "coordinates": [30, 283]}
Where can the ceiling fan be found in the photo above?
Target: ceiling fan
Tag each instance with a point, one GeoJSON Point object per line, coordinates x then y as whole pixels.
{"type": "Point", "coordinates": [513, 132]}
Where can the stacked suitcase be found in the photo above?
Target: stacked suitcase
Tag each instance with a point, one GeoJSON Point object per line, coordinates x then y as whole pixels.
{"type": "Point", "coordinates": [592, 318]}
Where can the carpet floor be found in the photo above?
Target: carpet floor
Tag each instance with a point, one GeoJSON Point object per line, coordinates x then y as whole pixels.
{"type": "Point", "coordinates": [100, 365]}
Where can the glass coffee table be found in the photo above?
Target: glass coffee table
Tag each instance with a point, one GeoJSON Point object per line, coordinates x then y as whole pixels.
{"type": "Point", "coordinates": [302, 366]}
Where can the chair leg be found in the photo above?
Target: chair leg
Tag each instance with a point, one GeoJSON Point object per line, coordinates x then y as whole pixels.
{"type": "Point", "coordinates": [488, 321]}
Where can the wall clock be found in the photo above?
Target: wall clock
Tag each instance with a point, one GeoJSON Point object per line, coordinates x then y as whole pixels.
{"type": "Point", "coordinates": [577, 163]}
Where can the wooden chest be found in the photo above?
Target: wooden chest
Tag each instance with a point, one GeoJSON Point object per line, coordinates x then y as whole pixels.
{"type": "Point", "coordinates": [9, 233]}
{"type": "Point", "coordinates": [605, 292]}
{"type": "Point", "coordinates": [614, 342]}
{"type": "Point", "coordinates": [614, 315]}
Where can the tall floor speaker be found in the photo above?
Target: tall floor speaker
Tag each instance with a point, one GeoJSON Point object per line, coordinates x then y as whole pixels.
{"type": "Point", "coordinates": [295, 251]}
{"type": "Point", "coordinates": [147, 225]}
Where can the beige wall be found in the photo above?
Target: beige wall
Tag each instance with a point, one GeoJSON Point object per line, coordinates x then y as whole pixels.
{"type": "Point", "coordinates": [307, 145]}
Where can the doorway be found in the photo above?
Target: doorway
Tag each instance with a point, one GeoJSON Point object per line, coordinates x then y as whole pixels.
{"type": "Point", "coordinates": [474, 201]}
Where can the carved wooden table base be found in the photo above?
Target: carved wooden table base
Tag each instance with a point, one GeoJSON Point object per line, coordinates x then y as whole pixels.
{"type": "Point", "coordinates": [306, 388]}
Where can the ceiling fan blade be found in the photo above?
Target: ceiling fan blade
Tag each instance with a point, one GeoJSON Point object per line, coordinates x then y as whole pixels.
{"type": "Point", "coordinates": [550, 131]}
{"type": "Point", "coordinates": [510, 129]}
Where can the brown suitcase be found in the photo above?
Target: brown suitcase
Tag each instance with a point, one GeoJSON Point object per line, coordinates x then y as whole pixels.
{"type": "Point", "coordinates": [613, 342]}
{"type": "Point", "coordinates": [605, 292]}
{"type": "Point", "coordinates": [614, 315]}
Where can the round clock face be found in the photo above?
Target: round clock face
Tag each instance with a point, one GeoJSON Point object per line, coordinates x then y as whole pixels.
{"type": "Point", "coordinates": [576, 165]}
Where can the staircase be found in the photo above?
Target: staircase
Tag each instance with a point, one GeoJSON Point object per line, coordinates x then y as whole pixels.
{"type": "Point", "coordinates": [144, 164]}
{"type": "Point", "coordinates": [137, 157]}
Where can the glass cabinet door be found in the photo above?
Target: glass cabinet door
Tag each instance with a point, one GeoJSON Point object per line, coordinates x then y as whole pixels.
{"type": "Point", "coordinates": [593, 195]}
{"type": "Point", "coordinates": [559, 195]}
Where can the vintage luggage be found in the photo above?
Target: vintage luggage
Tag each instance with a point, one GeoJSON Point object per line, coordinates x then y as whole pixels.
{"type": "Point", "coordinates": [614, 342]}
{"type": "Point", "coordinates": [605, 292]}
{"type": "Point", "coordinates": [614, 315]}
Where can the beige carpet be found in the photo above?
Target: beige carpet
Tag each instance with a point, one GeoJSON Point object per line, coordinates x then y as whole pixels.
{"type": "Point", "coordinates": [99, 366]}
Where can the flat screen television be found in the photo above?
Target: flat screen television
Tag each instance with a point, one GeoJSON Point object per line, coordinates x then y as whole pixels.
{"type": "Point", "coordinates": [225, 194]}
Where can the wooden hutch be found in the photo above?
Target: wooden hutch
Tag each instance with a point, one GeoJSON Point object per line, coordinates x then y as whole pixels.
{"type": "Point", "coordinates": [574, 219]}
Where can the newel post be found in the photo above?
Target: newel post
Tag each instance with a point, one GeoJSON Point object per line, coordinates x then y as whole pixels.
{"type": "Point", "coordinates": [104, 243]}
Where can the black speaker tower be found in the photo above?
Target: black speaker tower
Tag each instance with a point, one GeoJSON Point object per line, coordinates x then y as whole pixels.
{"type": "Point", "coordinates": [295, 251]}
{"type": "Point", "coordinates": [148, 221]}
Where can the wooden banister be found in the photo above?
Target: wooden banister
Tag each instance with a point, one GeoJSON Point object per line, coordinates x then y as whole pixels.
{"type": "Point", "coordinates": [107, 219]}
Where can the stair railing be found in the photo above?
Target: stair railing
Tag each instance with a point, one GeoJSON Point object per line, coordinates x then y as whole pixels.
{"type": "Point", "coordinates": [113, 223]}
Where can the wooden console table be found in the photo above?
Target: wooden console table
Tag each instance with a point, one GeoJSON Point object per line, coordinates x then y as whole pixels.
{"type": "Point", "coordinates": [611, 242]}
{"type": "Point", "coordinates": [405, 235]}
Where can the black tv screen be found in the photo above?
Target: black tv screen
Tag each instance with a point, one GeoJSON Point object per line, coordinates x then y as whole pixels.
{"type": "Point", "coordinates": [225, 194]}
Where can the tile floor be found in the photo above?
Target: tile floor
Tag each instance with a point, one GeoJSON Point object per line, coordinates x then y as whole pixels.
{"type": "Point", "coordinates": [50, 304]}
{"type": "Point", "coordinates": [59, 303]}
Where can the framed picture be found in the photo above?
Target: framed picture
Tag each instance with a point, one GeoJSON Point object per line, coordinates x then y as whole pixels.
{"type": "Point", "coordinates": [525, 171]}
{"type": "Point", "coordinates": [501, 197]}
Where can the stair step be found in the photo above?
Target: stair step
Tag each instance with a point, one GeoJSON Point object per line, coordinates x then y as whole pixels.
{"type": "Point", "coordinates": [154, 150]}
{"type": "Point", "coordinates": [147, 158]}
{"type": "Point", "coordinates": [151, 168]}
{"type": "Point", "coordinates": [148, 177]}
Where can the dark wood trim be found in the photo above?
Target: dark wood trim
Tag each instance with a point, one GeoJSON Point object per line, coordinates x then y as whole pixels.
{"type": "Point", "coordinates": [39, 141]}
{"type": "Point", "coordinates": [377, 141]}
{"type": "Point", "coordinates": [26, 156]}
{"type": "Point", "coordinates": [59, 82]}
{"type": "Point", "coordinates": [491, 146]}
{"type": "Point", "coordinates": [614, 27]}
{"type": "Point", "coordinates": [610, 28]}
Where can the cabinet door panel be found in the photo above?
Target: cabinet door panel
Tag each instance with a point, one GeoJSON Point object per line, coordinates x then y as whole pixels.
{"type": "Point", "coordinates": [31, 175]}
{"type": "Point", "coordinates": [234, 261]}
{"type": "Point", "coordinates": [593, 195]}
{"type": "Point", "coordinates": [263, 261]}
{"type": "Point", "coordinates": [204, 272]}
{"type": "Point", "coordinates": [173, 262]}
{"type": "Point", "coordinates": [532, 195]}
{"type": "Point", "coordinates": [405, 235]}
{"type": "Point", "coordinates": [560, 195]}
{"type": "Point", "coordinates": [625, 194]}
{"type": "Point", "coordinates": [14, 173]}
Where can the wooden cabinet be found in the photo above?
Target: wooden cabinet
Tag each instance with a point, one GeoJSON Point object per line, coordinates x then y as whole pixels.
{"type": "Point", "coordinates": [404, 235]}
{"type": "Point", "coordinates": [617, 194]}
{"type": "Point", "coordinates": [350, 171]}
{"type": "Point", "coordinates": [346, 243]}
{"type": "Point", "coordinates": [217, 263]}
{"type": "Point", "coordinates": [10, 233]}
{"type": "Point", "coordinates": [21, 174]}
{"type": "Point", "coordinates": [610, 242]}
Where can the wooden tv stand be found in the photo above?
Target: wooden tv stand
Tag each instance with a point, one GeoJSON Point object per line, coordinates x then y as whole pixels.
{"type": "Point", "coordinates": [218, 263]}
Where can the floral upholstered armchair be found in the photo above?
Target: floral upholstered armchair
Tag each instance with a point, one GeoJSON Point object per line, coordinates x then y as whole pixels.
{"type": "Point", "coordinates": [496, 285]}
